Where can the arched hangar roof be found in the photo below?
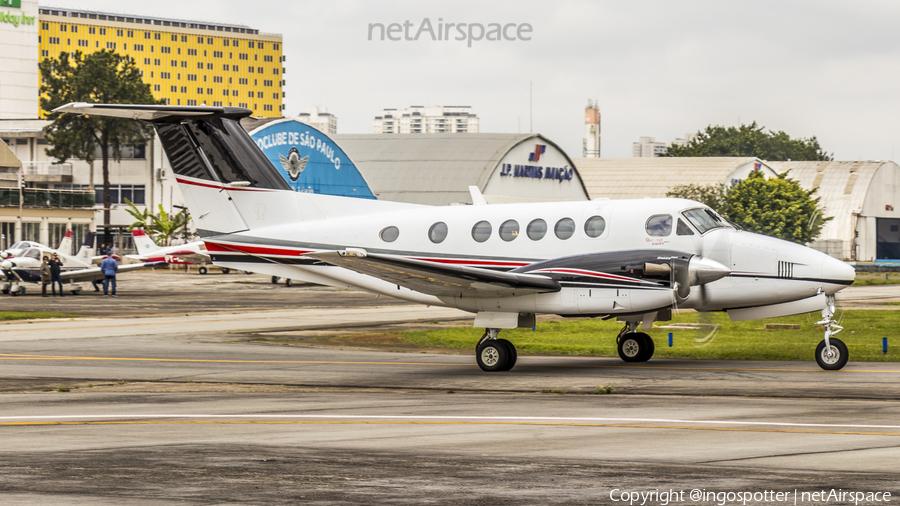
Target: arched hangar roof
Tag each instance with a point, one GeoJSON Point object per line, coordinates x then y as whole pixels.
{"type": "Point", "coordinates": [634, 178]}
{"type": "Point", "coordinates": [431, 168]}
{"type": "Point", "coordinates": [866, 188]}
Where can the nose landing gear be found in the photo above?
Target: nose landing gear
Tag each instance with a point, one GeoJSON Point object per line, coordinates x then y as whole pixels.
{"type": "Point", "coordinates": [831, 353]}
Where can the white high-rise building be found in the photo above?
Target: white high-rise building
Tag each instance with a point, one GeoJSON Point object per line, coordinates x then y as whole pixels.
{"type": "Point", "coordinates": [591, 130]}
{"type": "Point", "coordinates": [19, 91]}
{"type": "Point", "coordinates": [320, 119]}
{"type": "Point", "coordinates": [647, 147]}
{"type": "Point", "coordinates": [419, 119]}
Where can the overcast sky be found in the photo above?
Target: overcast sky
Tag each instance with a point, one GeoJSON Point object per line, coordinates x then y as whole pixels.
{"type": "Point", "coordinates": [819, 68]}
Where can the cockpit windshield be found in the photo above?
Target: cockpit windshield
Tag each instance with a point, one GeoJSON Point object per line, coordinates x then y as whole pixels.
{"type": "Point", "coordinates": [705, 219]}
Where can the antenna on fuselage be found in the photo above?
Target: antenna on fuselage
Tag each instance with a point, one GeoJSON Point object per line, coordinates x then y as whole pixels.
{"type": "Point", "coordinates": [477, 197]}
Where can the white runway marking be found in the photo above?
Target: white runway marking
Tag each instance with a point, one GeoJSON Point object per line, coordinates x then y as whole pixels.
{"type": "Point", "coordinates": [453, 418]}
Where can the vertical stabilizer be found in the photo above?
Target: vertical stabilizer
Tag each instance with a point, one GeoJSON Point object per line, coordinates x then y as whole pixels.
{"type": "Point", "coordinates": [143, 242]}
{"type": "Point", "coordinates": [86, 252]}
{"type": "Point", "coordinates": [65, 245]}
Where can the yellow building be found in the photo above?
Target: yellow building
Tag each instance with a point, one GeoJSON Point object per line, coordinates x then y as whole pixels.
{"type": "Point", "coordinates": [185, 62]}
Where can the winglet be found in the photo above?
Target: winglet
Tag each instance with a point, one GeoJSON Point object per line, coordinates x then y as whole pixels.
{"type": "Point", "coordinates": [477, 197]}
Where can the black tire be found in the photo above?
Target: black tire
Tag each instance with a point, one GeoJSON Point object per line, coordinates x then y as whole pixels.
{"type": "Point", "coordinates": [6, 291]}
{"type": "Point", "coordinates": [634, 347]}
{"type": "Point", "coordinates": [651, 347]}
{"type": "Point", "coordinates": [225, 270]}
{"type": "Point", "coordinates": [274, 280]}
{"type": "Point", "coordinates": [287, 282]}
{"type": "Point", "coordinates": [511, 354]}
{"type": "Point", "coordinates": [202, 270]}
{"type": "Point", "coordinates": [492, 356]}
{"type": "Point", "coordinates": [832, 363]}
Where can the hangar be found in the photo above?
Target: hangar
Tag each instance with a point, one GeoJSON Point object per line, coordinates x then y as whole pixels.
{"type": "Point", "coordinates": [635, 178]}
{"type": "Point", "coordinates": [433, 169]}
{"type": "Point", "coordinates": [861, 198]}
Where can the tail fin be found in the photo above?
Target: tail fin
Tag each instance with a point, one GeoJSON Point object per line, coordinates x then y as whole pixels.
{"type": "Point", "coordinates": [86, 252]}
{"type": "Point", "coordinates": [228, 184]}
{"type": "Point", "coordinates": [65, 245]}
{"type": "Point", "coordinates": [143, 242]}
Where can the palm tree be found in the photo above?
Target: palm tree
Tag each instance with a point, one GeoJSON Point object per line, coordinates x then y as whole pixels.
{"type": "Point", "coordinates": [166, 226]}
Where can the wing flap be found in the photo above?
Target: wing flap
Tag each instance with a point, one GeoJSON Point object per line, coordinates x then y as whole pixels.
{"type": "Point", "coordinates": [440, 280]}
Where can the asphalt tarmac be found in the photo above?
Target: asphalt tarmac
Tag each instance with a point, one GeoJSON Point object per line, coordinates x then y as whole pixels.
{"type": "Point", "coordinates": [178, 409]}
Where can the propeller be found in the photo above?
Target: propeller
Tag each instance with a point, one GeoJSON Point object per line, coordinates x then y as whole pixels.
{"type": "Point", "coordinates": [687, 272]}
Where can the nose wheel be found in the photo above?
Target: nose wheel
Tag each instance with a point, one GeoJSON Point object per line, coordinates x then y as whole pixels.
{"type": "Point", "coordinates": [494, 355]}
{"type": "Point", "coordinates": [831, 353]}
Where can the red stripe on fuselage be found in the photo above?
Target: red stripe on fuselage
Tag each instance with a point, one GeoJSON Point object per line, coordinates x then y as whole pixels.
{"type": "Point", "coordinates": [254, 250]}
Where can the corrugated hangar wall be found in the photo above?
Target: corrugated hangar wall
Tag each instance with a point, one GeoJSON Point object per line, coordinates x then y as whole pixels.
{"type": "Point", "coordinates": [862, 199]}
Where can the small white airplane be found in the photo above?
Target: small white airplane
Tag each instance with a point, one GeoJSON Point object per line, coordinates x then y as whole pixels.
{"type": "Point", "coordinates": [65, 246]}
{"type": "Point", "coordinates": [192, 253]}
{"type": "Point", "coordinates": [634, 260]}
{"type": "Point", "coordinates": [25, 267]}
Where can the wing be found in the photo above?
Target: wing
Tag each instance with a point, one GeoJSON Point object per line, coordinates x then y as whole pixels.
{"type": "Point", "coordinates": [438, 279]}
{"type": "Point", "coordinates": [94, 273]}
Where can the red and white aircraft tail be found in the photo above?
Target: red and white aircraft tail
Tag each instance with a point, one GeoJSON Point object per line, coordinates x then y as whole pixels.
{"type": "Point", "coordinates": [65, 245]}
{"type": "Point", "coordinates": [143, 242]}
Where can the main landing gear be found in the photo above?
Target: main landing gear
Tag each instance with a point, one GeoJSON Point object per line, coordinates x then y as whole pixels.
{"type": "Point", "coordinates": [495, 354]}
{"type": "Point", "coordinates": [634, 346]}
{"type": "Point", "coordinates": [831, 353]}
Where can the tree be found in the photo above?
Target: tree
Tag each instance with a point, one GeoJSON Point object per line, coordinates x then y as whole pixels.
{"type": "Point", "coordinates": [713, 195]}
{"type": "Point", "coordinates": [749, 140]}
{"type": "Point", "coordinates": [167, 226]}
{"type": "Point", "coordinates": [101, 77]}
{"type": "Point", "coordinates": [143, 218]}
{"type": "Point", "coordinates": [777, 206]}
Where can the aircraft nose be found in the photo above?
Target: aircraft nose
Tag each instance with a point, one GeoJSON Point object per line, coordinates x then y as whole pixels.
{"type": "Point", "coordinates": [838, 270]}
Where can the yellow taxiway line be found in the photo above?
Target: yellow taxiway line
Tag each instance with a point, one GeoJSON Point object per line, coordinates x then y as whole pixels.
{"type": "Point", "coordinates": [6, 356]}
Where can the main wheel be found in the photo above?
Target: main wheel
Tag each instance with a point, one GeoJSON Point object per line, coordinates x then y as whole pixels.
{"type": "Point", "coordinates": [651, 348]}
{"type": "Point", "coordinates": [837, 359]}
{"type": "Point", "coordinates": [287, 282]}
{"type": "Point", "coordinates": [635, 347]}
{"type": "Point", "coordinates": [492, 356]}
{"type": "Point", "coordinates": [511, 354]}
{"type": "Point", "coordinates": [202, 270]}
{"type": "Point", "coordinates": [274, 280]}
{"type": "Point", "coordinates": [225, 270]}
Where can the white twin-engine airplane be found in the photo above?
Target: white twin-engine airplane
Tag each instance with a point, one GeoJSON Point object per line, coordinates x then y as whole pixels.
{"type": "Point", "coordinates": [630, 259]}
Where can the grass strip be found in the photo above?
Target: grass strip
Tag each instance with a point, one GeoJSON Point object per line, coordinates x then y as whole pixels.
{"type": "Point", "coordinates": [30, 315]}
{"type": "Point", "coordinates": [749, 340]}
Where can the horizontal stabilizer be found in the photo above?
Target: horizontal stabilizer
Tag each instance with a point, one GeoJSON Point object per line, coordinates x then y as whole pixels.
{"type": "Point", "coordinates": [440, 280]}
{"type": "Point", "coordinates": [152, 113]}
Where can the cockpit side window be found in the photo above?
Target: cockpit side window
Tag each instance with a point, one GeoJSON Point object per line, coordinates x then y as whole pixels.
{"type": "Point", "coordinates": [682, 228]}
{"type": "Point", "coordinates": [33, 253]}
{"type": "Point", "coordinates": [704, 219]}
{"type": "Point", "coordinates": [659, 225]}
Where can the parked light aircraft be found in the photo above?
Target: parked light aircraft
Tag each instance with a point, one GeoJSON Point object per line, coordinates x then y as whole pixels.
{"type": "Point", "coordinates": [65, 246]}
{"type": "Point", "coordinates": [633, 260]}
{"type": "Point", "coordinates": [25, 267]}
{"type": "Point", "coordinates": [183, 254]}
